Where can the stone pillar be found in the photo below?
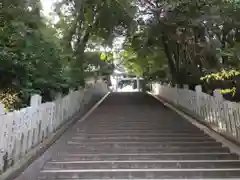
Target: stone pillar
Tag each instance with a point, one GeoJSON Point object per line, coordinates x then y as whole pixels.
{"type": "Point", "coordinates": [198, 90]}
{"type": "Point", "coordinates": [217, 94]}
{"type": "Point", "coordinates": [138, 84]}
{"type": "Point", "coordinates": [2, 109]}
{"type": "Point", "coordinates": [36, 100]}
{"type": "Point", "coordinates": [117, 81]}
{"type": "Point", "coordinates": [185, 86]}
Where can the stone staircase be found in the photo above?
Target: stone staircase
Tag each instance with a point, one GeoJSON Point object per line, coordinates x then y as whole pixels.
{"type": "Point", "coordinates": [133, 136]}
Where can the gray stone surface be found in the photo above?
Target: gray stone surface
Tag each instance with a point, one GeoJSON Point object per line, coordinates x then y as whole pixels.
{"type": "Point", "coordinates": [133, 136]}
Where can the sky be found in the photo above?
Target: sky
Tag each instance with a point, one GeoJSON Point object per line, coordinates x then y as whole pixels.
{"type": "Point", "coordinates": [47, 6]}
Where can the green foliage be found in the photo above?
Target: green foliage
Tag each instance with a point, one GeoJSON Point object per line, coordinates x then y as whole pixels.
{"type": "Point", "coordinates": [107, 57]}
{"type": "Point", "coordinates": [231, 91]}
{"type": "Point", "coordinates": [196, 36]}
{"type": "Point", "coordinates": [94, 22]}
{"type": "Point", "coordinates": [31, 62]}
{"type": "Point", "coordinates": [220, 79]}
{"type": "Point", "coordinates": [179, 40]}
{"type": "Point", "coordinates": [221, 76]}
{"type": "Point", "coordinates": [37, 56]}
{"type": "Point", "coordinates": [145, 59]}
{"type": "Point", "coordinates": [10, 99]}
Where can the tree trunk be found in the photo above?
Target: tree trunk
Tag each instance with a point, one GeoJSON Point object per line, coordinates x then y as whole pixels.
{"type": "Point", "coordinates": [170, 59]}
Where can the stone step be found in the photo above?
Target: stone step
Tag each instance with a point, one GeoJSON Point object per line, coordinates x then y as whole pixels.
{"type": "Point", "coordinates": [143, 131]}
{"type": "Point", "coordinates": [142, 149]}
{"type": "Point", "coordinates": [138, 129]}
{"type": "Point", "coordinates": [138, 173]}
{"type": "Point", "coordinates": [124, 118]}
{"type": "Point", "coordinates": [138, 135]}
{"type": "Point", "coordinates": [66, 156]}
{"type": "Point", "coordinates": [147, 164]}
{"type": "Point", "coordinates": [137, 124]}
{"type": "Point", "coordinates": [143, 139]}
{"type": "Point", "coordinates": [133, 123]}
{"type": "Point", "coordinates": [171, 143]}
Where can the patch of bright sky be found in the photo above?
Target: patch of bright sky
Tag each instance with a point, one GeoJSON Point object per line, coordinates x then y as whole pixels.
{"type": "Point", "coordinates": [47, 10]}
{"type": "Point", "coordinates": [47, 6]}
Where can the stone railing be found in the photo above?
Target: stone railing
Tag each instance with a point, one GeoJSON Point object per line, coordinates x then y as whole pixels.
{"type": "Point", "coordinates": [221, 115]}
{"type": "Point", "coordinates": [22, 130]}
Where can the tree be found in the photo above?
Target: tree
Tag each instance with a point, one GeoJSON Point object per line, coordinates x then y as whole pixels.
{"type": "Point", "coordinates": [40, 57]}
{"type": "Point", "coordinates": [30, 60]}
{"type": "Point", "coordinates": [197, 37]}
{"type": "Point", "coordinates": [92, 22]}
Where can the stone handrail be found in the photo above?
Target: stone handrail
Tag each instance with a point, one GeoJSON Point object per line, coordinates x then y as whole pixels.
{"type": "Point", "coordinates": [221, 115]}
{"type": "Point", "coordinates": [24, 129]}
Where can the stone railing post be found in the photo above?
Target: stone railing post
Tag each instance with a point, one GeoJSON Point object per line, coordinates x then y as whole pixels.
{"type": "Point", "coordinates": [36, 100]}
{"type": "Point", "coordinates": [2, 109]}
{"type": "Point", "coordinates": [158, 88]}
{"type": "Point", "coordinates": [198, 90]}
{"type": "Point", "coordinates": [217, 94]}
{"type": "Point", "coordinates": [185, 86]}
{"type": "Point", "coordinates": [222, 107]}
{"type": "Point", "coordinates": [2, 150]}
{"type": "Point", "coordinates": [138, 84]}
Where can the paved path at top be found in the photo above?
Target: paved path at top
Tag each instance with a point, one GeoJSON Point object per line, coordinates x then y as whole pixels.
{"type": "Point", "coordinates": [133, 136]}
